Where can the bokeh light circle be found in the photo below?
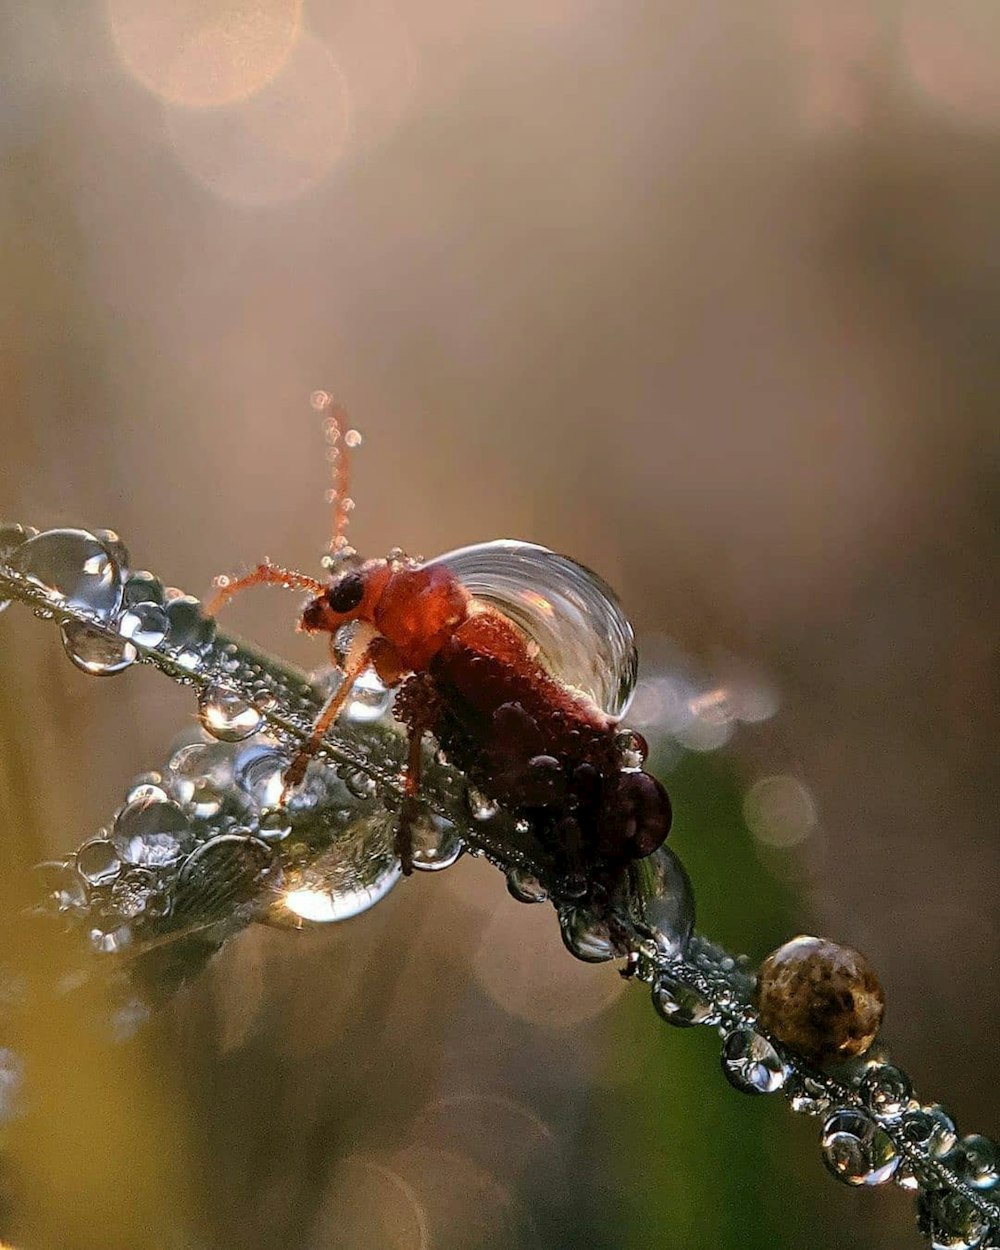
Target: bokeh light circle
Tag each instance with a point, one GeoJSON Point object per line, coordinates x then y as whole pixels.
{"type": "Point", "coordinates": [202, 53]}
{"type": "Point", "coordinates": [276, 144]}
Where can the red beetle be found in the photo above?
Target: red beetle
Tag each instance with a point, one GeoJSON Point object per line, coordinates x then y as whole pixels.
{"type": "Point", "coordinates": [469, 676]}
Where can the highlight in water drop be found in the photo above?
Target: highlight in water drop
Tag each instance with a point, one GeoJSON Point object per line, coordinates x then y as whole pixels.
{"type": "Point", "coordinates": [226, 715]}
{"type": "Point", "coordinates": [73, 569]}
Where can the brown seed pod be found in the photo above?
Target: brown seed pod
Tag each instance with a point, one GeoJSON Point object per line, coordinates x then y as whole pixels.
{"type": "Point", "coordinates": [820, 999]}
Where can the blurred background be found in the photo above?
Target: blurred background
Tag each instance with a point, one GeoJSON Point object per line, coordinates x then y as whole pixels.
{"type": "Point", "coordinates": [703, 294]}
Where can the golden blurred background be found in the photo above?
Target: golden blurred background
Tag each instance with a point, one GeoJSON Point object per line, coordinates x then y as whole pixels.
{"type": "Point", "coordinates": [703, 294]}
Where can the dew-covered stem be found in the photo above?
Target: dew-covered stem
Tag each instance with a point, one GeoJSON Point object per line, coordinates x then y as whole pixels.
{"type": "Point", "coordinates": [202, 846]}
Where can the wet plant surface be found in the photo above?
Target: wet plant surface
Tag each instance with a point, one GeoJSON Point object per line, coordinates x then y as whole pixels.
{"type": "Point", "coordinates": [203, 846]}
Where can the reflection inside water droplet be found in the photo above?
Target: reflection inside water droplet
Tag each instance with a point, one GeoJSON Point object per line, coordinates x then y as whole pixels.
{"type": "Point", "coordinates": [751, 1064]}
{"type": "Point", "coordinates": [346, 880]}
{"type": "Point", "coordinates": [145, 624]}
{"type": "Point", "coordinates": [583, 637]}
{"type": "Point", "coordinates": [856, 1150]}
{"type": "Point", "coordinates": [150, 833]}
{"type": "Point", "coordinates": [73, 568]}
{"type": "Point", "coordinates": [226, 715]}
{"type": "Point", "coordinates": [95, 652]}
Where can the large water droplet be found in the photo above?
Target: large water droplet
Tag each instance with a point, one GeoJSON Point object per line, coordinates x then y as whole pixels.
{"type": "Point", "coordinates": [856, 1150]}
{"type": "Point", "coordinates": [681, 1005]}
{"type": "Point", "coordinates": [661, 901]}
{"type": "Point", "coordinates": [73, 568]}
{"type": "Point", "coordinates": [348, 879]}
{"type": "Point", "coordinates": [150, 833]}
{"type": "Point", "coordinates": [583, 637]}
{"type": "Point", "coordinates": [949, 1221]}
{"type": "Point", "coordinates": [95, 652]}
{"type": "Point", "coordinates": [436, 843]}
{"type": "Point", "coordinates": [97, 862]}
{"type": "Point", "coordinates": [225, 714]}
{"type": "Point", "coordinates": [751, 1063]}
{"type": "Point", "coordinates": [223, 874]}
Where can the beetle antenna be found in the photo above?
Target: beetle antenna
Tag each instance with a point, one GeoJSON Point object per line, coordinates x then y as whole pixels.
{"type": "Point", "coordinates": [340, 438]}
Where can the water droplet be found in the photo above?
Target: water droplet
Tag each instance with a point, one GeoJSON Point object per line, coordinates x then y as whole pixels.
{"type": "Point", "coordinates": [95, 652]}
{"type": "Point", "coordinates": [931, 1129]}
{"type": "Point", "coordinates": [190, 633]}
{"type": "Point", "coordinates": [141, 586]}
{"type": "Point", "coordinates": [97, 862]}
{"type": "Point", "coordinates": [274, 825]}
{"type": "Point", "coordinates": [525, 886]}
{"type": "Point", "coordinates": [436, 843]}
{"type": "Point", "coordinates": [145, 624]}
{"type": "Point", "coordinates": [632, 749]}
{"type": "Point", "coordinates": [806, 1096]}
{"type": "Point", "coordinates": [73, 569]}
{"type": "Point", "coordinates": [886, 1091]}
{"type": "Point", "coordinates": [348, 879]}
{"type": "Point", "coordinates": [681, 1005]}
{"type": "Point", "coordinates": [131, 895]}
{"type": "Point", "coordinates": [585, 936]}
{"type": "Point", "coordinates": [480, 806]}
{"type": "Point", "coordinates": [660, 900]}
{"type": "Point", "coordinates": [225, 714]}
{"type": "Point", "coordinates": [223, 874]}
{"type": "Point", "coordinates": [583, 637]}
{"type": "Point", "coordinates": [369, 700]}
{"type": "Point", "coordinates": [950, 1221]}
{"type": "Point", "coordinates": [259, 771]}
{"type": "Point", "coordinates": [751, 1064]}
{"type": "Point", "coordinates": [201, 780]}
{"type": "Point", "coordinates": [856, 1150]}
{"type": "Point", "coordinates": [150, 833]}
{"type": "Point", "coordinates": [975, 1158]}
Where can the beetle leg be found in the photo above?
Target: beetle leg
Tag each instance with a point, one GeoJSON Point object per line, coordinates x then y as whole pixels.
{"type": "Point", "coordinates": [331, 710]}
{"type": "Point", "coordinates": [265, 574]}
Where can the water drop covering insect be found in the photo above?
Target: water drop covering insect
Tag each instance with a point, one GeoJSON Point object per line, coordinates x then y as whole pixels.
{"type": "Point", "coordinates": [470, 670]}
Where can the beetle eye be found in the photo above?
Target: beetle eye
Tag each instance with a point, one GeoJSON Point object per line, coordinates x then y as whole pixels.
{"type": "Point", "coordinates": [345, 595]}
